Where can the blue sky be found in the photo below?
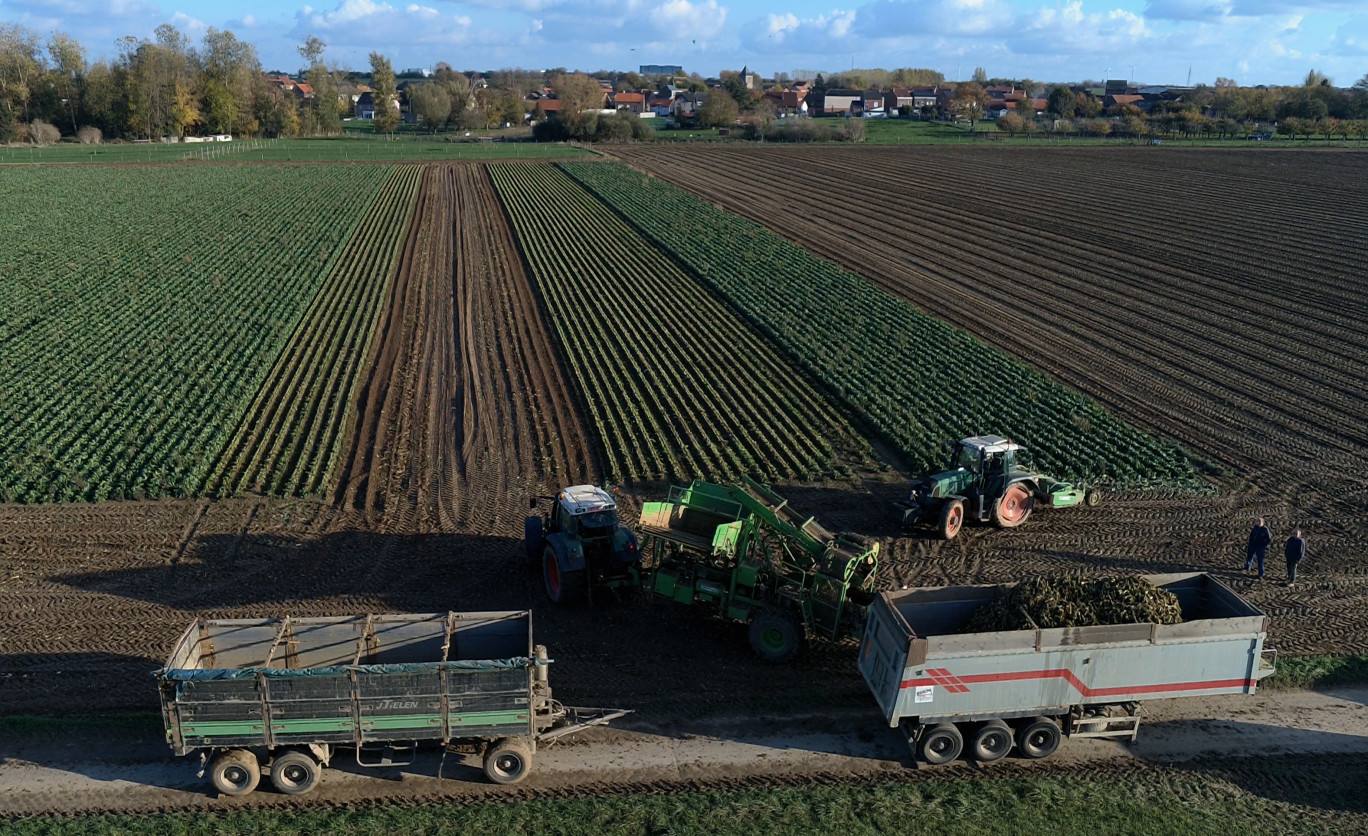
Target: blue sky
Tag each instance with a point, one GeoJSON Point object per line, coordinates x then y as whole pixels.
{"type": "Point", "coordinates": [1152, 41]}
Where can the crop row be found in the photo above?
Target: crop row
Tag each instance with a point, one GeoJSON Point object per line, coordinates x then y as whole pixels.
{"type": "Point", "coordinates": [141, 311]}
{"type": "Point", "coordinates": [915, 379]}
{"type": "Point", "coordinates": [290, 442]}
{"type": "Point", "coordinates": [674, 382]}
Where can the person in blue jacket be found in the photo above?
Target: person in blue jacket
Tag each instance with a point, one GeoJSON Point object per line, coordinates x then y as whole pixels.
{"type": "Point", "coordinates": [1295, 551]}
{"type": "Point", "coordinates": [1259, 540]}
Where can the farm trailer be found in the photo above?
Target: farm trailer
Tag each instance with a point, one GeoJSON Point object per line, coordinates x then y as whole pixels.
{"type": "Point", "coordinates": [283, 693]}
{"type": "Point", "coordinates": [980, 693]}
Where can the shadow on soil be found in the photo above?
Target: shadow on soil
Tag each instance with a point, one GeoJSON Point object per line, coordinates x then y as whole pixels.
{"type": "Point", "coordinates": [1337, 783]}
{"type": "Point", "coordinates": [408, 573]}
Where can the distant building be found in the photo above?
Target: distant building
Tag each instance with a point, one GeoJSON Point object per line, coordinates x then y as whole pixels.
{"type": "Point", "coordinates": [660, 69]}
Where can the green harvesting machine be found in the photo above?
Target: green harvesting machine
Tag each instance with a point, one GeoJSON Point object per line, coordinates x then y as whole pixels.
{"type": "Point", "coordinates": [742, 552]}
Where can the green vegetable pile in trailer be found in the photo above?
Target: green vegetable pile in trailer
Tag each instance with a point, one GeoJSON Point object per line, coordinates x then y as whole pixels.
{"type": "Point", "coordinates": [280, 694]}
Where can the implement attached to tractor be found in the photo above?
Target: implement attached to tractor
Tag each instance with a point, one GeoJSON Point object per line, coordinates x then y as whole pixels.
{"type": "Point", "coordinates": [989, 480]}
{"type": "Point", "coordinates": [741, 551]}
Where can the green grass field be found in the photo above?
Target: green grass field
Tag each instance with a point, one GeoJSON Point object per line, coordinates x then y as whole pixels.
{"type": "Point", "coordinates": [353, 148]}
{"type": "Point", "coordinates": [1134, 800]}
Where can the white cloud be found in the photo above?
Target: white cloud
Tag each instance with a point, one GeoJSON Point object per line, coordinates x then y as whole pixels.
{"type": "Point", "coordinates": [1194, 10]}
{"type": "Point", "coordinates": [371, 25]}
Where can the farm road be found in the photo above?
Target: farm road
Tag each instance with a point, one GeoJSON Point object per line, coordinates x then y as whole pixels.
{"type": "Point", "coordinates": [131, 770]}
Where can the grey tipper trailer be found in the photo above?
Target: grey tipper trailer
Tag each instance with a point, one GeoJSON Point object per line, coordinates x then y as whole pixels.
{"type": "Point", "coordinates": [980, 693]}
{"type": "Point", "coordinates": [280, 694]}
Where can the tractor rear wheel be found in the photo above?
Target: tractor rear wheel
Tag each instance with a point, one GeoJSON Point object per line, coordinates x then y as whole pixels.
{"type": "Point", "coordinates": [561, 587]}
{"type": "Point", "coordinates": [1015, 505]}
{"type": "Point", "coordinates": [777, 636]}
{"type": "Point", "coordinates": [951, 519]}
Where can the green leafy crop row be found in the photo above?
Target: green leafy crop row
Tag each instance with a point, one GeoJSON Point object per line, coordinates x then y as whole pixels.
{"type": "Point", "coordinates": [916, 380]}
{"type": "Point", "coordinates": [141, 310]}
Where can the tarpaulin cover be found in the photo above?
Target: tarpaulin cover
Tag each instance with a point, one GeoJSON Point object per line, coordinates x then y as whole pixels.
{"type": "Point", "coordinates": [196, 675]}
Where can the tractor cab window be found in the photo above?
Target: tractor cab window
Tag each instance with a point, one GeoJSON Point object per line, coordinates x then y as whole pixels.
{"type": "Point", "coordinates": [597, 523]}
{"type": "Point", "coordinates": [966, 458]}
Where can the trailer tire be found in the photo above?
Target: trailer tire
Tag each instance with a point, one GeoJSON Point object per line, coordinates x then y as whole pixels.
{"type": "Point", "coordinates": [235, 772]}
{"type": "Point", "coordinates": [940, 744]}
{"type": "Point", "coordinates": [1038, 738]}
{"type": "Point", "coordinates": [951, 519]}
{"type": "Point", "coordinates": [992, 741]}
{"type": "Point", "coordinates": [1093, 497]}
{"type": "Point", "coordinates": [508, 760]}
{"type": "Point", "coordinates": [776, 636]}
{"type": "Point", "coordinates": [294, 772]}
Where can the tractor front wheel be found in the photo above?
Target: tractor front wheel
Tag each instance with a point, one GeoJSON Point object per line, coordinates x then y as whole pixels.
{"type": "Point", "coordinates": [776, 636]}
{"type": "Point", "coordinates": [561, 587]}
{"type": "Point", "coordinates": [951, 519]}
{"type": "Point", "coordinates": [1015, 505]}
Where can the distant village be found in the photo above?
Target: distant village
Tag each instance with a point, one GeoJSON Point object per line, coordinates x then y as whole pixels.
{"type": "Point", "coordinates": [1113, 106]}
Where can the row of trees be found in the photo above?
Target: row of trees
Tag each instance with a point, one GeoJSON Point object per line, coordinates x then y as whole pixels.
{"type": "Point", "coordinates": [165, 86]}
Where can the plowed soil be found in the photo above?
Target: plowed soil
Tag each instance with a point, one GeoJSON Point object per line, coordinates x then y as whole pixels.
{"type": "Point", "coordinates": [467, 411]}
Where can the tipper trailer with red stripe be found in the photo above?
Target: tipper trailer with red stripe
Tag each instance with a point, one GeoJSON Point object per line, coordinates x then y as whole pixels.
{"type": "Point", "coordinates": [981, 694]}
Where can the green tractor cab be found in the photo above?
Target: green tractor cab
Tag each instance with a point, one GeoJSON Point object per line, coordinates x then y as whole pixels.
{"type": "Point", "coordinates": [989, 480]}
{"type": "Point", "coordinates": [580, 546]}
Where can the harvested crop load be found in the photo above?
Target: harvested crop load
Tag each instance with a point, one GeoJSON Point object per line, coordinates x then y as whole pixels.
{"type": "Point", "coordinates": [1066, 601]}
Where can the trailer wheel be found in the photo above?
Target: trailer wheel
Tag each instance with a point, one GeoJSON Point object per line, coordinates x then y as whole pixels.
{"type": "Point", "coordinates": [951, 519]}
{"type": "Point", "coordinates": [507, 761]}
{"type": "Point", "coordinates": [561, 587]}
{"type": "Point", "coordinates": [776, 636]}
{"type": "Point", "coordinates": [1093, 497]}
{"type": "Point", "coordinates": [1039, 738]}
{"type": "Point", "coordinates": [991, 742]}
{"type": "Point", "coordinates": [940, 744]}
{"type": "Point", "coordinates": [235, 772]}
{"type": "Point", "coordinates": [295, 773]}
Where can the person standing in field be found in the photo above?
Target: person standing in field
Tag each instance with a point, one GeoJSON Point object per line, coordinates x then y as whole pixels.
{"type": "Point", "coordinates": [1259, 540]}
{"type": "Point", "coordinates": [1295, 551]}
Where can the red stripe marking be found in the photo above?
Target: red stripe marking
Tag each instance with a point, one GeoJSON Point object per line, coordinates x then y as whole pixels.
{"type": "Point", "coordinates": [958, 686]}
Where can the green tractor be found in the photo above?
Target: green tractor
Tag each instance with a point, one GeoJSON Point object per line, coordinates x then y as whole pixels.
{"type": "Point", "coordinates": [741, 552]}
{"type": "Point", "coordinates": [581, 548]}
{"type": "Point", "coordinates": [989, 480]}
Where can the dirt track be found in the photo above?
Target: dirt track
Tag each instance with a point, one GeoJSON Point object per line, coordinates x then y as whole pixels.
{"type": "Point", "coordinates": [466, 402]}
{"type": "Point", "coordinates": [132, 771]}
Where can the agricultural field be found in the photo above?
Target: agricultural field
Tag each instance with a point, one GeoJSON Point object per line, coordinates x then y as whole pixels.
{"type": "Point", "coordinates": [334, 389]}
{"type": "Point", "coordinates": [913, 379]}
{"type": "Point", "coordinates": [677, 384]}
{"type": "Point", "coordinates": [139, 318]}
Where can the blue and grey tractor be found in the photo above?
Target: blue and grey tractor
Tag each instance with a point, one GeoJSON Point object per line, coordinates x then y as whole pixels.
{"type": "Point", "coordinates": [582, 549]}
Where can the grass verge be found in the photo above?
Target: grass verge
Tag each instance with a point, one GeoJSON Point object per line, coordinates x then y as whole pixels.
{"type": "Point", "coordinates": [1209, 799]}
{"type": "Point", "coordinates": [1318, 671]}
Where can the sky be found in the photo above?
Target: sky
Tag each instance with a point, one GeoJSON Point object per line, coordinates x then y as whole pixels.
{"type": "Point", "coordinates": [1147, 41]}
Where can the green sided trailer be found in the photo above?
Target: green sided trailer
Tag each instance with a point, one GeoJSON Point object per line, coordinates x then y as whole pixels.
{"type": "Point", "coordinates": [281, 694]}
